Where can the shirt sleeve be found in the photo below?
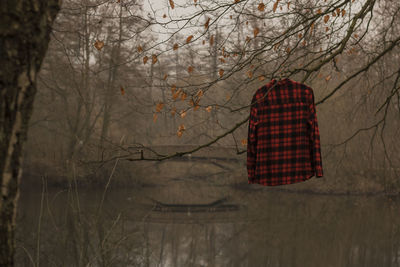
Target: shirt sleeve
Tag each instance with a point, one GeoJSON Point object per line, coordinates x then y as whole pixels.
{"type": "Point", "coordinates": [252, 140]}
{"type": "Point", "coordinates": [315, 150]}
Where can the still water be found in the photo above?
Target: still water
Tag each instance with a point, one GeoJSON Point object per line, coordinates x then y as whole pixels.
{"type": "Point", "coordinates": [194, 223]}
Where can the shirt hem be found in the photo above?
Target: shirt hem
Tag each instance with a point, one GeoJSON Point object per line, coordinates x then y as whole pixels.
{"type": "Point", "coordinates": [266, 183]}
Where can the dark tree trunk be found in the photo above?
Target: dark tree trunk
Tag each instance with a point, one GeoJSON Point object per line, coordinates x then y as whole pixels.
{"type": "Point", "coordinates": [25, 27]}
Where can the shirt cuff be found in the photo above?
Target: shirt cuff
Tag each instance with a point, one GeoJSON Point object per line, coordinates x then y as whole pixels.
{"type": "Point", "coordinates": [318, 172]}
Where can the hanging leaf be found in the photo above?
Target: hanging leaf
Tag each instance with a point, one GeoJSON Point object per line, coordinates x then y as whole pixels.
{"type": "Point", "coordinates": [261, 78]}
{"type": "Point", "coordinates": [207, 23]}
{"type": "Point", "coordinates": [176, 46]}
{"type": "Point", "coordinates": [288, 5]}
{"type": "Point", "coordinates": [244, 142]}
{"type": "Point", "coordinates": [256, 31]}
{"type": "Point", "coordinates": [319, 11]}
{"type": "Point", "coordinates": [196, 107]}
{"type": "Point", "coordinates": [145, 58]}
{"type": "Point", "coordinates": [327, 29]}
{"type": "Point", "coordinates": [173, 111]}
{"type": "Point", "coordinates": [159, 106]}
{"type": "Point", "coordinates": [211, 39]}
{"type": "Point", "coordinates": [328, 78]}
{"type": "Point", "coordinates": [343, 12]}
{"type": "Point", "coordinates": [165, 77]}
{"type": "Point", "coordinates": [154, 57]}
{"type": "Point", "coordinates": [275, 6]}
{"type": "Point", "coordinates": [183, 96]}
{"type": "Point", "coordinates": [222, 59]}
{"type": "Point", "coordinates": [221, 72]}
{"type": "Point", "coordinates": [154, 117]}
{"type": "Point", "coordinates": [208, 108]}
{"type": "Point", "coordinates": [171, 3]}
{"type": "Point", "coordinates": [173, 88]}
{"type": "Point", "coordinates": [99, 45]}
{"type": "Point", "coordinates": [338, 11]}
{"type": "Point", "coordinates": [176, 94]}
{"type": "Point", "coordinates": [311, 28]}
{"type": "Point", "coordinates": [199, 93]}
{"type": "Point", "coordinates": [190, 69]}
{"type": "Point", "coordinates": [183, 114]}
{"type": "Point", "coordinates": [189, 38]}
{"type": "Point", "coordinates": [204, 42]}
{"type": "Point", "coordinates": [122, 90]}
{"type": "Point", "coordinates": [139, 48]}
{"type": "Point", "coordinates": [181, 127]}
{"type": "Point", "coordinates": [261, 6]}
{"type": "Point", "coordinates": [326, 18]}
{"type": "Point", "coordinates": [164, 16]}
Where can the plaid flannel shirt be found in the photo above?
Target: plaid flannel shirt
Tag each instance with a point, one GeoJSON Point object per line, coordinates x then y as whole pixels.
{"type": "Point", "coordinates": [283, 145]}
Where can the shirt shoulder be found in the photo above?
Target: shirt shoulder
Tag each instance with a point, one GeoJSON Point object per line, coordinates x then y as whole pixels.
{"type": "Point", "coordinates": [302, 91]}
{"type": "Point", "coordinates": [259, 94]}
{"type": "Point", "coordinates": [282, 91]}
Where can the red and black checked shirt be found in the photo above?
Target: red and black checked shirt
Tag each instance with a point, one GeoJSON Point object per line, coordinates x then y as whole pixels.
{"type": "Point", "coordinates": [283, 145]}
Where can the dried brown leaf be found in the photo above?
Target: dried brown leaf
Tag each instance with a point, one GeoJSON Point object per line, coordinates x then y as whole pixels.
{"type": "Point", "coordinates": [99, 45]}
{"type": "Point", "coordinates": [207, 23]}
{"type": "Point", "coordinates": [154, 59]}
{"type": "Point", "coordinates": [189, 38]}
{"type": "Point", "coordinates": [171, 3]}
{"type": "Point", "coordinates": [256, 31]}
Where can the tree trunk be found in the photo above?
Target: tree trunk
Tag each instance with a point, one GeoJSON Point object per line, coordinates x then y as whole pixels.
{"type": "Point", "coordinates": [25, 27]}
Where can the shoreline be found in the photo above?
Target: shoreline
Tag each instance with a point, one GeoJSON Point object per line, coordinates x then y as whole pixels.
{"type": "Point", "coordinates": [29, 183]}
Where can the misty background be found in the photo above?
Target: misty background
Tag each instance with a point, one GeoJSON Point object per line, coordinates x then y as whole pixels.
{"type": "Point", "coordinates": [95, 105]}
{"type": "Point", "coordinates": [145, 104]}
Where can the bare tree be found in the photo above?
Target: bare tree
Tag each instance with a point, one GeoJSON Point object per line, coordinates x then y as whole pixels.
{"type": "Point", "coordinates": [187, 77]}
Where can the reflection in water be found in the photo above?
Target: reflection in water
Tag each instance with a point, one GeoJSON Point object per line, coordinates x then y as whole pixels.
{"type": "Point", "coordinates": [204, 226]}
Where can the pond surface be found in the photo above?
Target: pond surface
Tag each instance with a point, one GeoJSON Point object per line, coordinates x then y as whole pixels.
{"type": "Point", "coordinates": [194, 223]}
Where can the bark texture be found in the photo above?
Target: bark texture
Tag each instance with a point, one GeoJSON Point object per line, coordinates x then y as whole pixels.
{"type": "Point", "coordinates": [25, 27]}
